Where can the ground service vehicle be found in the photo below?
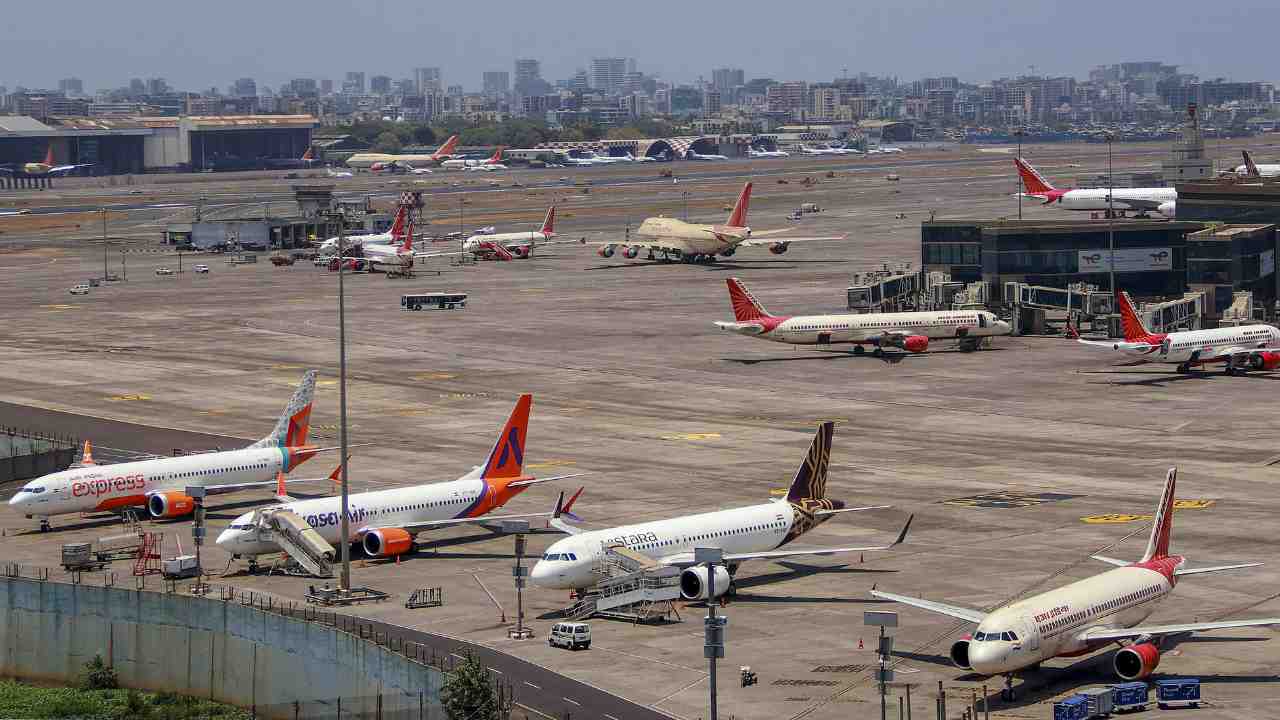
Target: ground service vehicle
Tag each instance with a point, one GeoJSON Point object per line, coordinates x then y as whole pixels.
{"type": "Point", "coordinates": [201, 269]}
{"type": "Point", "coordinates": [570, 635]}
{"type": "Point", "coordinates": [164, 271]}
{"type": "Point", "coordinates": [434, 301]}
{"type": "Point", "coordinates": [80, 289]}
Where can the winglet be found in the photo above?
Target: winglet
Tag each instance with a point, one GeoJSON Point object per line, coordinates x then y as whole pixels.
{"type": "Point", "coordinates": [738, 218]}
{"type": "Point", "coordinates": [1162, 526]}
{"type": "Point", "coordinates": [86, 458]}
{"type": "Point", "coordinates": [335, 477]}
{"type": "Point", "coordinates": [506, 460]}
{"type": "Point", "coordinates": [564, 508]}
{"type": "Point", "coordinates": [902, 536]}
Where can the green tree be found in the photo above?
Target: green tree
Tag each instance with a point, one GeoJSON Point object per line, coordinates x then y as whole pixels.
{"type": "Point", "coordinates": [97, 675]}
{"type": "Point", "coordinates": [388, 142]}
{"type": "Point", "coordinates": [424, 135]}
{"type": "Point", "coordinates": [468, 692]}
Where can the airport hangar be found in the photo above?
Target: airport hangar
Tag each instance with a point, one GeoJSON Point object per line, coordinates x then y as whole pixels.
{"type": "Point", "coordinates": [157, 144]}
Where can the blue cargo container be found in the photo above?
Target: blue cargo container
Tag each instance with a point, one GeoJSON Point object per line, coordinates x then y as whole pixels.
{"type": "Point", "coordinates": [1075, 707]}
{"type": "Point", "coordinates": [1178, 692]}
{"type": "Point", "coordinates": [1130, 696]}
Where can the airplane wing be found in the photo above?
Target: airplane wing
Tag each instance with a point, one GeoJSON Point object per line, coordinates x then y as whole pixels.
{"type": "Point", "coordinates": [561, 509]}
{"type": "Point", "coordinates": [954, 611]}
{"type": "Point", "coordinates": [758, 239]}
{"type": "Point", "coordinates": [68, 168]}
{"type": "Point", "coordinates": [1139, 204]}
{"type": "Point", "coordinates": [685, 559]}
{"type": "Point", "coordinates": [234, 487]}
{"type": "Point", "coordinates": [824, 513]}
{"type": "Point", "coordinates": [1158, 630]}
{"type": "Point", "coordinates": [1180, 571]}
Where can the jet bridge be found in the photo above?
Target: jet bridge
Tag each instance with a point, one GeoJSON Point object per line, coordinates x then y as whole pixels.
{"type": "Point", "coordinates": [298, 539]}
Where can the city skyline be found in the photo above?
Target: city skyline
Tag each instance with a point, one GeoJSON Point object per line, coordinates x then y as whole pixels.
{"type": "Point", "coordinates": [910, 41]}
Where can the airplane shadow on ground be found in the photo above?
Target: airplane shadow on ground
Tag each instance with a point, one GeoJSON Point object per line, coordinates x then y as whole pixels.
{"type": "Point", "coordinates": [755, 265]}
{"type": "Point", "coordinates": [891, 358]}
{"type": "Point", "coordinates": [1163, 378]}
{"type": "Point", "coordinates": [796, 571]}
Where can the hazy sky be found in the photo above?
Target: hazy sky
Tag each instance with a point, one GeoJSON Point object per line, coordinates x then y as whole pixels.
{"type": "Point", "coordinates": [195, 45]}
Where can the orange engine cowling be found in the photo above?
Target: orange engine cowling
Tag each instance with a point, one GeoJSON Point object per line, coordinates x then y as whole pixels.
{"type": "Point", "coordinates": [1137, 661]}
{"type": "Point", "coordinates": [1265, 361]}
{"type": "Point", "coordinates": [170, 505]}
{"type": "Point", "coordinates": [387, 542]}
{"type": "Point", "coordinates": [915, 343]}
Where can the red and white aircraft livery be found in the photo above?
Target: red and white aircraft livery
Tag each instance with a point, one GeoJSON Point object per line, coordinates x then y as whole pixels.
{"type": "Point", "coordinates": [910, 331]}
{"type": "Point", "coordinates": [1086, 615]}
{"type": "Point", "coordinates": [158, 483]}
{"type": "Point", "coordinates": [493, 162]}
{"type": "Point", "coordinates": [1239, 348]}
{"type": "Point", "coordinates": [385, 522]}
{"type": "Point", "coordinates": [393, 236]}
{"type": "Point", "coordinates": [509, 246]}
{"type": "Point", "coordinates": [1162, 200]}
{"type": "Point", "coordinates": [48, 168]}
{"type": "Point", "coordinates": [381, 162]}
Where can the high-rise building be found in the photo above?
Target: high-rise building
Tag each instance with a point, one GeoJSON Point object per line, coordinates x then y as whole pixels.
{"type": "Point", "coordinates": [71, 86]}
{"type": "Point", "coordinates": [527, 71]}
{"type": "Point", "coordinates": [580, 82]}
{"type": "Point", "coordinates": [301, 87]}
{"type": "Point", "coordinates": [326, 86]}
{"type": "Point", "coordinates": [137, 87]}
{"type": "Point", "coordinates": [607, 74]}
{"type": "Point", "coordinates": [725, 79]}
{"type": "Point", "coordinates": [711, 101]}
{"type": "Point", "coordinates": [428, 80]}
{"type": "Point", "coordinates": [380, 85]}
{"type": "Point", "coordinates": [157, 86]}
{"type": "Point", "coordinates": [354, 84]}
{"type": "Point", "coordinates": [787, 96]}
{"type": "Point", "coordinates": [245, 87]}
{"type": "Point", "coordinates": [497, 82]}
{"type": "Point", "coordinates": [825, 101]}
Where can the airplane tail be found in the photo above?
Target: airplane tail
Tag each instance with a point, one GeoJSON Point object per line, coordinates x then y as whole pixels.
{"type": "Point", "coordinates": [1250, 168]}
{"type": "Point", "coordinates": [497, 154]}
{"type": "Point", "coordinates": [295, 422]}
{"type": "Point", "coordinates": [745, 306]}
{"type": "Point", "coordinates": [48, 156]}
{"type": "Point", "coordinates": [506, 460]}
{"type": "Point", "coordinates": [1032, 180]}
{"type": "Point", "coordinates": [308, 155]}
{"type": "Point", "coordinates": [397, 227]}
{"type": "Point", "coordinates": [86, 458]}
{"type": "Point", "coordinates": [549, 222]}
{"type": "Point", "coordinates": [738, 218]}
{"type": "Point", "coordinates": [1158, 545]}
{"type": "Point", "coordinates": [810, 482]}
{"type": "Point", "coordinates": [1134, 330]}
{"type": "Point", "coordinates": [448, 146]}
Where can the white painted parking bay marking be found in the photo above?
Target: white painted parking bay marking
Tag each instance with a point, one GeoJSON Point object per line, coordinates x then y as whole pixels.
{"type": "Point", "coordinates": [535, 687]}
{"type": "Point", "coordinates": [575, 702]}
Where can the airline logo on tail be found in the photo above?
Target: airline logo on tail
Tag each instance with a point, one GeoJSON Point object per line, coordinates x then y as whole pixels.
{"type": "Point", "coordinates": [447, 147]}
{"type": "Point", "coordinates": [1250, 167]}
{"type": "Point", "coordinates": [1033, 181]}
{"type": "Point", "coordinates": [738, 218]}
{"type": "Point", "coordinates": [807, 495]}
{"type": "Point", "coordinates": [506, 460]}
{"type": "Point", "coordinates": [294, 423]}
{"type": "Point", "coordinates": [1162, 526]}
{"type": "Point", "coordinates": [397, 227]}
{"type": "Point", "coordinates": [549, 222]}
{"type": "Point", "coordinates": [1134, 330]}
{"type": "Point", "coordinates": [48, 156]}
{"type": "Point", "coordinates": [308, 155]}
{"type": "Point", "coordinates": [497, 155]}
{"type": "Point", "coordinates": [745, 306]}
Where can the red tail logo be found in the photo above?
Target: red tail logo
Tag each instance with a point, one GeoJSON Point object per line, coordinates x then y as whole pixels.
{"type": "Point", "coordinates": [308, 155]}
{"type": "Point", "coordinates": [497, 155]}
{"type": "Point", "coordinates": [549, 222]}
{"type": "Point", "coordinates": [1134, 330]}
{"type": "Point", "coordinates": [1032, 180]}
{"type": "Point", "coordinates": [506, 460]}
{"type": "Point", "coordinates": [397, 227]}
{"type": "Point", "coordinates": [745, 307]}
{"type": "Point", "coordinates": [299, 426]}
{"type": "Point", "coordinates": [48, 157]}
{"type": "Point", "coordinates": [738, 218]}
{"type": "Point", "coordinates": [448, 146]}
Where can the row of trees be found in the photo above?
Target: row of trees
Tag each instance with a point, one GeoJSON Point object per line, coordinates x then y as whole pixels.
{"type": "Point", "coordinates": [392, 137]}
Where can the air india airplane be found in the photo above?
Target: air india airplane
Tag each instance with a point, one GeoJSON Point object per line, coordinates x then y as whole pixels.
{"type": "Point", "coordinates": [508, 246]}
{"type": "Point", "coordinates": [910, 331]}
{"type": "Point", "coordinates": [688, 242]}
{"type": "Point", "coordinates": [493, 162]}
{"type": "Point", "coordinates": [1163, 200]}
{"type": "Point", "coordinates": [382, 162]}
{"type": "Point", "coordinates": [46, 168]}
{"type": "Point", "coordinates": [1239, 348]}
{"type": "Point", "coordinates": [158, 484]}
{"type": "Point", "coordinates": [755, 532]}
{"type": "Point", "coordinates": [385, 522]}
{"type": "Point", "coordinates": [1085, 615]}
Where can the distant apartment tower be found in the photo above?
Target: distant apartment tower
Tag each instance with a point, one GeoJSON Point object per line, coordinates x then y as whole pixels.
{"type": "Point", "coordinates": [711, 99]}
{"type": "Point", "coordinates": [354, 84]}
{"type": "Point", "coordinates": [826, 100]}
{"type": "Point", "coordinates": [580, 82]}
{"type": "Point", "coordinates": [607, 74]}
{"type": "Point", "coordinates": [527, 70]}
{"type": "Point", "coordinates": [245, 87]}
{"type": "Point", "coordinates": [157, 86]}
{"type": "Point", "coordinates": [71, 86]}
{"type": "Point", "coordinates": [326, 86]}
{"type": "Point", "coordinates": [497, 82]}
{"type": "Point", "coordinates": [380, 85]}
{"type": "Point", "coordinates": [725, 79]}
{"type": "Point", "coordinates": [787, 96]}
{"type": "Point", "coordinates": [428, 80]}
{"type": "Point", "coordinates": [301, 87]}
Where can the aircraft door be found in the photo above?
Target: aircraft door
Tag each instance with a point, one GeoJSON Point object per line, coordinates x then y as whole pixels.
{"type": "Point", "coordinates": [982, 320]}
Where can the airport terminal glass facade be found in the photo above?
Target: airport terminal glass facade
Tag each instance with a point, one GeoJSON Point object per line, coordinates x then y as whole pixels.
{"type": "Point", "coordinates": [1233, 258]}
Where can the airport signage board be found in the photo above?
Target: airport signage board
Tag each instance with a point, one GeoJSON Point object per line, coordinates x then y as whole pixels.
{"type": "Point", "coordinates": [1126, 260]}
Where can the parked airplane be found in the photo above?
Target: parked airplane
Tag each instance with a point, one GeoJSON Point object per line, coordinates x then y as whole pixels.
{"type": "Point", "coordinates": [1250, 169]}
{"type": "Point", "coordinates": [1162, 200]}
{"type": "Point", "coordinates": [1086, 615]}
{"type": "Point", "coordinates": [393, 235]}
{"type": "Point", "coordinates": [910, 331]}
{"type": "Point", "coordinates": [753, 152]}
{"type": "Point", "coordinates": [45, 169]}
{"type": "Point", "coordinates": [493, 162]}
{"type": "Point", "coordinates": [1240, 348]}
{"type": "Point", "coordinates": [330, 172]}
{"type": "Point", "coordinates": [826, 151]}
{"type": "Point", "coordinates": [689, 242]}
{"type": "Point", "coordinates": [508, 246]}
{"type": "Point", "coordinates": [158, 484]}
{"type": "Point", "coordinates": [384, 522]}
{"type": "Point", "coordinates": [378, 162]}
{"type": "Point", "coordinates": [691, 155]}
{"type": "Point", "coordinates": [756, 532]}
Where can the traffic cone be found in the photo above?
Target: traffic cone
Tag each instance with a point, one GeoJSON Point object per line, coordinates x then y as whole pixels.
{"type": "Point", "coordinates": [860, 643]}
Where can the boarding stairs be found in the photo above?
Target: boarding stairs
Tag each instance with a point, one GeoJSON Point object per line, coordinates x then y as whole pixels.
{"type": "Point", "coordinates": [631, 587]}
{"type": "Point", "coordinates": [299, 540]}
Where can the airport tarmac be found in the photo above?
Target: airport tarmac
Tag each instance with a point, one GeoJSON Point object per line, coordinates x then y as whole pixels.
{"type": "Point", "coordinates": [1018, 462]}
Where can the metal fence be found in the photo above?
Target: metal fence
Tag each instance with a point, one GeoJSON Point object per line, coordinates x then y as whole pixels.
{"type": "Point", "coordinates": [26, 454]}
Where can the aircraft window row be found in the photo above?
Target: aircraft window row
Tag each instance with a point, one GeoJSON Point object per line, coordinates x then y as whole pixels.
{"type": "Point", "coordinates": [240, 526]}
{"type": "Point", "coordinates": [421, 506]}
{"type": "Point", "coordinates": [725, 533]}
{"type": "Point", "coordinates": [560, 556]}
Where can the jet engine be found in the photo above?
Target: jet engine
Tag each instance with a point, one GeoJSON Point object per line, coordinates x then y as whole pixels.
{"type": "Point", "coordinates": [693, 582]}
{"type": "Point", "coordinates": [1168, 209]}
{"type": "Point", "coordinates": [387, 542]}
{"type": "Point", "coordinates": [170, 505]}
{"type": "Point", "coordinates": [915, 343]}
{"type": "Point", "coordinates": [605, 251]}
{"type": "Point", "coordinates": [522, 251]}
{"type": "Point", "coordinates": [1265, 361]}
{"type": "Point", "coordinates": [631, 252]}
{"type": "Point", "coordinates": [728, 252]}
{"type": "Point", "coordinates": [960, 652]}
{"type": "Point", "coordinates": [1137, 661]}
{"type": "Point", "coordinates": [778, 248]}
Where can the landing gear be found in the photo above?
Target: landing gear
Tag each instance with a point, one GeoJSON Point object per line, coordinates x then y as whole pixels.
{"type": "Point", "coordinates": [859, 350]}
{"type": "Point", "coordinates": [878, 352]}
{"type": "Point", "coordinates": [44, 525]}
{"type": "Point", "coordinates": [1184, 368]}
{"type": "Point", "coordinates": [253, 565]}
{"type": "Point", "coordinates": [1007, 694]}
{"type": "Point", "coordinates": [968, 344]}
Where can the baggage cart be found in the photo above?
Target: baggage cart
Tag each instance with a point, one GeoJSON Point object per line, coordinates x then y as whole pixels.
{"type": "Point", "coordinates": [1099, 701]}
{"type": "Point", "coordinates": [1178, 692]}
{"type": "Point", "coordinates": [1130, 696]}
{"type": "Point", "coordinates": [1075, 707]}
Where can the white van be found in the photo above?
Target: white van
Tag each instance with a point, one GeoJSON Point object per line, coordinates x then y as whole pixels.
{"type": "Point", "coordinates": [571, 635]}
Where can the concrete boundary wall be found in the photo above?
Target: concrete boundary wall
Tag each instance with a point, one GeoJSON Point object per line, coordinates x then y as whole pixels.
{"type": "Point", "coordinates": [278, 666]}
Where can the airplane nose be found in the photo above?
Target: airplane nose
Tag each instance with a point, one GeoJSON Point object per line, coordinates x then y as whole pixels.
{"type": "Point", "coordinates": [540, 573]}
{"type": "Point", "coordinates": [227, 538]}
{"type": "Point", "coordinates": [17, 500]}
{"type": "Point", "coordinates": [986, 658]}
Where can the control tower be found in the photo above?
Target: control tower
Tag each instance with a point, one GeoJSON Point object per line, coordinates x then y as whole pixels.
{"type": "Point", "coordinates": [1187, 162]}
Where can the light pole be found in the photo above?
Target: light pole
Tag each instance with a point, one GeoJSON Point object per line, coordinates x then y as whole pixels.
{"type": "Point", "coordinates": [1021, 188]}
{"type": "Point", "coordinates": [345, 581]}
{"type": "Point", "coordinates": [685, 194]}
{"type": "Point", "coordinates": [713, 634]}
{"type": "Point", "coordinates": [519, 572]}
{"type": "Point", "coordinates": [105, 273]}
{"type": "Point", "coordinates": [1111, 220]}
{"type": "Point", "coordinates": [883, 650]}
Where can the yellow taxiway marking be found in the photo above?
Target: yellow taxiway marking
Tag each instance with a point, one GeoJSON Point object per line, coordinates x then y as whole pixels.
{"type": "Point", "coordinates": [434, 376]}
{"type": "Point", "coordinates": [412, 412]}
{"type": "Point", "coordinates": [60, 306]}
{"type": "Point", "coordinates": [1190, 504]}
{"type": "Point", "coordinates": [286, 366]}
{"type": "Point", "coordinates": [136, 396]}
{"type": "Point", "coordinates": [319, 383]}
{"type": "Point", "coordinates": [693, 436]}
{"type": "Point", "coordinates": [779, 492]}
{"type": "Point", "coordinates": [463, 395]}
{"type": "Point", "coordinates": [550, 464]}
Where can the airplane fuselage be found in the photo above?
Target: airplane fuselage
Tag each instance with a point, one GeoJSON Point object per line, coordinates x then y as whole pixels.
{"type": "Point", "coordinates": [1096, 199]}
{"type": "Point", "coordinates": [869, 328]}
{"type": "Point", "coordinates": [1193, 346]}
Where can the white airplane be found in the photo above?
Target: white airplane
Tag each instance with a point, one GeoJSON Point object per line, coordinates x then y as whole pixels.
{"type": "Point", "coordinates": [508, 246]}
{"type": "Point", "coordinates": [1239, 348]}
{"type": "Point", "coordinates": [691, 155]}
{"type": "Point", "coordinates": [755, 532]}
{"type": "Point", "coordinates": [385, 522]}
{"type": "Point", "coordinates": [1162, 200]}
{"type": "Point", "coordinates": [1250, 169]}
{"type": "Point", "coordinates": [825, 150]}
{"type": "Point", "coordinates": [753, 152]}
{"type": "Point", "coordinates": [159, 483]}
{"type": "Point", "coordinates": [493, 162]}
{"type": "Point", "coordinates": [1085, 615]}
{"type": "Point", "coordinates": [330, 172]}
{"type": "Point", "coordinates": [383, 162]}
{"type": "Point", "coordinates": [48, 168]}
{"type": "Point", "coordinates": [910, 331]}
{"type": "Point", "coordinates": [689, 242]}
{"type": "Point", "coordinates": [393, 235]}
